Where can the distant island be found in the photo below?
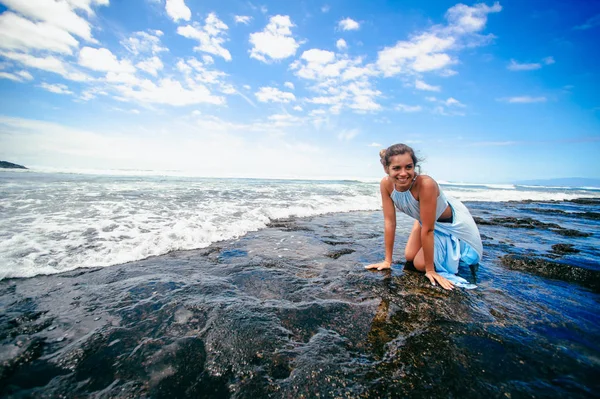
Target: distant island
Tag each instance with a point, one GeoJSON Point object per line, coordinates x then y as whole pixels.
{"type": "Point", "coordinates": [562, 182]}
{"type": "Point", "coordinates": [10, 165]}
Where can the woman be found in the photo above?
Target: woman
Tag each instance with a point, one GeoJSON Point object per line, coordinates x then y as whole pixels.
{"type": "Point", "coordinates": [444, 233]}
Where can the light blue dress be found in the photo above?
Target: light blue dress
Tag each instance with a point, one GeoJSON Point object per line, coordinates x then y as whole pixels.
{"type": "Point", "coordinates": [455, 243]}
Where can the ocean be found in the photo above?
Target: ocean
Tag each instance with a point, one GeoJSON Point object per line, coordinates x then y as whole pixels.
{"type": "Point", "coordinates": [147, 286]}
{"type": "Point", "coordinates": [56, 222]}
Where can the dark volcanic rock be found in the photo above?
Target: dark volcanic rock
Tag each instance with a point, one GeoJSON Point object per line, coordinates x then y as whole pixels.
{"type": "Point", "coordinates": [336, 254]}
{"type": "Point", "coordinates": [560, 271]}
{"type": "Point", "coordinates": [512, 222]}
{"type": "Point", "coordinates": [585, 215]}
{"type": "Point", "coordinates": [564, 249]}
{"type": "Point", "coordinates": [529, 223]}
{"type": "Point", "coordinates": [287, 225]}
{"type": "Point", "coordinates": [586, 201]}
{"type": "Point", "coordinates": [10, 165]}
{"type": "Point", "coordinates": [571, 232]}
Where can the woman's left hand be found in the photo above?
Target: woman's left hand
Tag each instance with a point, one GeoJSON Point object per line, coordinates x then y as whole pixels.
{"type": "Point", "coordinates": [443, 282]}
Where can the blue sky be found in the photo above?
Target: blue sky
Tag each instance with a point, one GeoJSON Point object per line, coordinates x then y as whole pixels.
{"type": "Point", "coordinates": [485, 92]}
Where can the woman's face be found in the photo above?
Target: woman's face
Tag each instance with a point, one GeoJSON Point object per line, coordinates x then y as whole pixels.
{"type": "Point", "coordinates": [401, 170]}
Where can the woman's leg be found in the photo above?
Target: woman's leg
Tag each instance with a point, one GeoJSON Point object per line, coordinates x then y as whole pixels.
{"type": "Point", "coordinates": [413, 245]}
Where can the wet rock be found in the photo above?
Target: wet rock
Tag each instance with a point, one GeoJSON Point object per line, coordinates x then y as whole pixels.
{"type": "Point", "coordinates": [571, 233]}
{"type": "Point", "coordinates": [586, 201]}
{"type": "Point", "coordinates": [336, 254]}
{"type": "Point", "coordinates": [563, 249]}
{"type": "Point", "coordinates": [334, 243]}
{"type": "Point", "coordinates": [513, 222]}
{"type": "Point", "coordinates": [287, 225]}
{"type": "Point", "coordinates": [585, 215]}
{"type": "Point", "coordinates": [529, 223]}
{"type": "Point", "coordinates": [560, 271]}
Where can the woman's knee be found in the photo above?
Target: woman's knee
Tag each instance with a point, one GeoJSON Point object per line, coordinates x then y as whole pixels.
{"type": "Point", "coordinates": [409, 254]}
{"type": "Point", "coordinates": [419, 261]}
{"type": "Point", "coordinates": [411, 251]}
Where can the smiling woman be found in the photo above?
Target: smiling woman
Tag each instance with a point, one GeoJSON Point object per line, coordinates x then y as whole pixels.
{"type": "Point", "coordinates": [444, 234]}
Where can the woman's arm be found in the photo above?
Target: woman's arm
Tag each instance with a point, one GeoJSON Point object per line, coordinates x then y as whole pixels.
{"type": "Point", "coordinates": [427, 203]}
{"type": "Point", "coordinates": [389, 230]}
{"type": "Point", "coordinates": [428, 193]}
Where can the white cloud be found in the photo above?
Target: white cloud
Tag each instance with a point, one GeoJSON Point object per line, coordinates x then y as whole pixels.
{"type": "Point", "coordinates": [430, 62]}
{"type": "Point", "coordinates": [92, 93]}
{"type": "Point", "coordinates": [198, 72]}
{"type": "Point", "coordinates": [18, 76]}
{"type": "Point", "coordinates": [347, 134]}
{"type": "Point", "coordinates": [374, 144]}
{"type": "Point", "coordinates": [524, 99]}
{"type": "Point", "coordinates": [176, 9]}
{"type": "Point", "coordinates": [208, 59]}
{"type": "Point", "coordinates": [48, 63]}
{"type": "Point", "coordinates": [169, 91]}
{"type": "Point", "coordinates": [453, 102]}
{"type": "Point", "coordinates": [297, 108]}
{"type": "Point", "coordinates": [515, 66]}
{"type": "Point", "coordinates": [348, 24]}
{"type": "Point", "coordinates": [465, 19]}
{"type": "Point", "coordinates": [18, 33]}
{"type": "Point", "coordinates": [429, 51]}
{"type": "Point", "coordinates": [447, 107]}
{"type": "Point", "coordinates": [318, 64]}
{"type": "Point", "coordinates": [122, 77]}
{"type": "Point", "coordinates": [325, 9]}
{"type": "Point", "coordinates": [590, 23]}
{"type": "Point", "coordinates": [61, 14]}
{"type": "Point", "coordinates": [289, 85]}
{"type": "Point", "coordinates": [341, 81]}
{"type": "Point", "coordinates": [446, 73]}
{"type": "Point", "coordinates": [242, 19]}
{"type": "Point", "coordinates": [441, 110]}
{"type": "Point", "coordinates": [282, 120]}
{"type": "Point", "coordinates": [272, 94]}
{"type": "Point", "coordinates": [247, 87]}
{"type": "Point", "coordinates": [408, 108]}
{"type": "Point", "coordinates": [341, 44]}
{"type": "Point", "coordinates": [144, 42]}
{"type": "Point", "coordinates": [356, 72]}
{"type": "Point", "coordinates": [420, 85]}
{"type": "Point", "coordinates": [102, 59]}
{"type": "Point", "coordinates": [56, 88]}
{"type": "Point", "coordinates": [151, 65]}
{"type": "Point", "coordinates": [211, 36]}
{"type": "Point", "coordinates": [275, 42]}
{"type": "Point", "coordinates": [24, 74]}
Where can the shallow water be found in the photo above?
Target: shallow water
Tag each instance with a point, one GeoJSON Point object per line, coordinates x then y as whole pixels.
{"type": "Point", "coordinates": [289, 311]}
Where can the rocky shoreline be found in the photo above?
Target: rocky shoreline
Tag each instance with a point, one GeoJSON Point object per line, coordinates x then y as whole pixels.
{"type": "Point", "coordinates": [289, 311]}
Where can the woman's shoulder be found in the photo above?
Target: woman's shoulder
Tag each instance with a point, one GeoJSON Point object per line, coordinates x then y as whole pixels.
{"type": "Point", "coordinates": [426, 179]}
{"type": "Point", "coordinates": [426, 182]}
{"type": "Point", "coordinates": [387, 184]}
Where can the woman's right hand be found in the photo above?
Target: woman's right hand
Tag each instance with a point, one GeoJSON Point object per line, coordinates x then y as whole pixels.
{"type": "Point", "coordinates": [380, 266]}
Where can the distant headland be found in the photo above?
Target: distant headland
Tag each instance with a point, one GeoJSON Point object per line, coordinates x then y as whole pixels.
{"type": "Point", "coordinates": [10, 165]}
